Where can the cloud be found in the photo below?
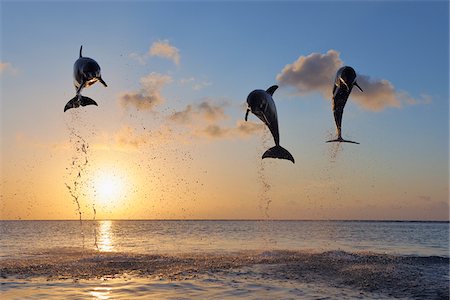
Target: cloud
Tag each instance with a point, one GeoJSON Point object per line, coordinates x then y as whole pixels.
{"type": "Point", "coordinates": [161, 49]}
{"type": "Point", "coordinates": [200, 85]}
{"type": "Point", "coordinates": [150, 94]}
{"type": "Point", "coordinates": [312, 73]}
{"type": "Point", "coordinates": [214, 131]}
{"type": "Point", "coordinates": [316, 72]}
{"type": "Point", "coordinates": [195, 84]}
{"type": "Point", "coordinates": [204, 119]}
{"type": "Point", "coordinates": [248, 128]}
{"type": "Point", "coordinates": [127, 137]}
{"type": "Point", "coordinates": [165, 50]}
{"type": "Point", "coordinates": [377, 95]}
{"type": "Point", "coordinates": [130, 138]}
{"type": "Point", "coordinates": [142, 59]}
{"type": "Point", "coordinates": [206, 110]}
{"type": "Point", "coordinates": [6, 67]}
{"type": "Point", "coordinates": [241, 129]}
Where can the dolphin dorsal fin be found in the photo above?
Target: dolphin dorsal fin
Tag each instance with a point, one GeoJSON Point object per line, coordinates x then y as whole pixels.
{"type": "Point", "coordinates": [81, 48]}
{"type": "Point", "coordinates": [272, 89]}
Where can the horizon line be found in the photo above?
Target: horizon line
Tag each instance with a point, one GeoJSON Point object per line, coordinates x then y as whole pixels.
{"type": "Point", "coordinates": [243, 220]}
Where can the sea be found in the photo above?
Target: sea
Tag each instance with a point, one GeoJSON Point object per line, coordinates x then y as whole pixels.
{"type": "Point", "coordinates": [224, 259]}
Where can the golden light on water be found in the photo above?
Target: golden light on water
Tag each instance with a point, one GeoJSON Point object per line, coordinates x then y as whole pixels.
{"type": "Point", "coordinates": [101, 293]}
{"type": "Point", "coordinates": [105, 236]}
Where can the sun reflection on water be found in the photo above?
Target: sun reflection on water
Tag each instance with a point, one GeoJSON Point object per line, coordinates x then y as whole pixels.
{"type": "Point", "coordinates": [105, 236]}
{"type": "Point", "coordinates": [101, 293]}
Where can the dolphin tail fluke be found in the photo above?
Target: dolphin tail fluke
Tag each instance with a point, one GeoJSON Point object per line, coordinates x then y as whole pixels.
{"type": "Point", "coordinates": [341, 140]}
{"type": "Point", "coordinates": [87, 101]}
{"type": "Point", "coordinates": [278, 152]}
{"type": "Point", "coordinates": [75, 102]}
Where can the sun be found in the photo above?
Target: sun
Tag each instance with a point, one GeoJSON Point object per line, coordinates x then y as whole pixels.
{"type": "Point", "coordinates": [109, 187]}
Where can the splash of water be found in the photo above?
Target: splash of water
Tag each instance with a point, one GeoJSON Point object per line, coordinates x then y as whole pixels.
{"type": "Point", "coordinates": [408, 277]}
{"type": "Point", "coordinates": [334, 149]}
{"type": "Point", "coordinates": [265, 186]}
{"type": "Point", "coordinates": [95, 227]}
{"type": "Point", "coordinates": [78, 166]}
{"type": "Point", "coordinates": [167, 164]}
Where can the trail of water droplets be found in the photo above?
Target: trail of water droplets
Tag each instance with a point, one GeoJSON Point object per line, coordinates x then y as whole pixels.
{"type": "Point", "coordinates": [265, 187]}
{"type": "Point", "coordinates": [167, 166]}
{"type": "Point", "coordinates": [78, 165]}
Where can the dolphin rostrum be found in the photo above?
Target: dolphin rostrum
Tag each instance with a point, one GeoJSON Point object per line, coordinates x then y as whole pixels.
{"type": "Point", "coordinates": [86, 72]}
{"type": "Point", "coordinates": [261, 104]}
{"type": "Point", "coordinates": [343, 85]}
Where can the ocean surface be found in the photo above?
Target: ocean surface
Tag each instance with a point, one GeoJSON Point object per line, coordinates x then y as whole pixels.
{"type": "Point", "coordinates": [224, 260]}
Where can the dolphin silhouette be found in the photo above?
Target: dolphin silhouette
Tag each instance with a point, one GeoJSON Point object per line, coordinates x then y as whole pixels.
{"type": "Point", "coordinates": [343, 85]}
{"type": "Point", "coordinates": [261, 104]}
{"type": "Point", "coordinates": [86, 72]}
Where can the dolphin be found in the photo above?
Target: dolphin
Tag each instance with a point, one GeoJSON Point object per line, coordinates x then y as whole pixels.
{"type": "Point", "coordinates": [261, 104]}
{"type": "Point", "coordinates": [86, 72]}
{"type": "Point", "coordinates": [343, 85]}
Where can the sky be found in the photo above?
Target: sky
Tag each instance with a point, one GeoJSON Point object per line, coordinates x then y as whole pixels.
{"type": "Point", "coordinates": [168, 139]}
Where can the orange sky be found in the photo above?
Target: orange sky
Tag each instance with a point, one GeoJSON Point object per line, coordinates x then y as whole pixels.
{"type": "Point", "coordinates": [168, 138]}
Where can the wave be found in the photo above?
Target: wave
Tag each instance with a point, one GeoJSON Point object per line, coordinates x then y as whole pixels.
{"type": "Point", "coordinates": [394, 276]}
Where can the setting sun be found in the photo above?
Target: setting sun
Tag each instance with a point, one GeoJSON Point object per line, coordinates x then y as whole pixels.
{"type": "Point", "coordinates": [109, 187]}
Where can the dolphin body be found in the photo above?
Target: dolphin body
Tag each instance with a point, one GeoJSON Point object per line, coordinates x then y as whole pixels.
{"type": "Point", "coordinates": [343, 85]}
{"type": "Point", "coordinates": [86, 72]}
{"type": "Point", "coordinates": [261, 104]}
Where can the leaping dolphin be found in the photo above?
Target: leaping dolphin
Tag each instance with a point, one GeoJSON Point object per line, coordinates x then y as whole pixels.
{"type": "Point", "coordinates": [86, 72]}
{"type": "Point", "coordinates": [261, 104]}
{"type": "Point", "coordinates": [343, 85]}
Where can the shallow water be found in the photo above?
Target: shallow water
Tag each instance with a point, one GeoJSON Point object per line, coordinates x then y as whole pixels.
{"type": "Point", "coordinates": [224, 260]}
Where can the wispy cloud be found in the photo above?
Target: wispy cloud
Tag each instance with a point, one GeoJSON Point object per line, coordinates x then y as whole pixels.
{"type": "Point", "coordinates": [195, 83]}
{"type": "Point", "coordinates": [165, 50]}
{"type": "Point", "coordinates": [162, 49]}
{"type": "Point", "coordinates": [131, 138]}
{"type": "Point", "coordinates": [142, 59]}
{"type": "Point", "coordinates": [315, 73]}
{"type": "Point", "coordinates": [204, 120]}
{"type": "Point", "coordinates": [206, 110]}
{"type": "Point", "coordinates": [6, 67]}
{"type": "Point", "coordinates": [242, 129]}
{"type": "Point", "coordinates": [127, 137]}
{"type": "Point", "coordinates": [149, 96]}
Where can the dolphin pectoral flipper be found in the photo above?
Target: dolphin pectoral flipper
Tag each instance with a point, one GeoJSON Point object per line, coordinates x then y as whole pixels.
{"type": "Point", "coordinates": [80, 87]}
{"type": "Point", "coordinates": [265, 119]}
{"type": "Point", "coordinates": [102, 81]}
{"type": "Point", "coordinates": [246, 114]}
{"type": "Point", "coordinates": [278, 152]}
